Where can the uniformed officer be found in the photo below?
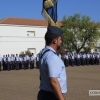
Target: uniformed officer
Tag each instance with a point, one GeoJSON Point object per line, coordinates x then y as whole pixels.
{"type": "Point", "coordinates": [12, 62]}
{"type": "Point", "coordinates": [66, 60]}
{"type": "Point", "coordinates": [27, 61]}
{"type": "Point", "coordinates": [69, 58]}
{"type": "Point", "coordinates": [88, 58]}
{"type": "Point", "coordinates": [37, 61]}
{"type": "Point", "coordinates": [17, 62]}
{"type": "Point", "coordinates": [78, 59]}
{"type": "Point", "coordinates": [4, 62]}
{"type": "Point", "coordinates": [20, 62]}
{"type": "Point", "coordinates": [93, 58]}
{"type": "Point", "coordinates": [0, 62]}
{"type": "Point", "coordinates": [8, 62]}
{"type": "Point", "coordinates": [98, 57]}
{"type": "Point", "coordinates": [24, 61]}
{"type": "Point", "coordinates": [32, 58]}
{"type": "Point", "coordinates": [84, 59]}
{"type": "Point", "coordinates": [72, 60]}
{"type": "Point", "coordinates": [52, 68]}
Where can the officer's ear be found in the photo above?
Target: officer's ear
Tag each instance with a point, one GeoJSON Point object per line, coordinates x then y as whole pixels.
{"type": "Point", "coordinates": [54, 41]}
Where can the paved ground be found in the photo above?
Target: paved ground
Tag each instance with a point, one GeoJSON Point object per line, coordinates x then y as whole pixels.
{"type": "Point", "coordinates": [24, 84]}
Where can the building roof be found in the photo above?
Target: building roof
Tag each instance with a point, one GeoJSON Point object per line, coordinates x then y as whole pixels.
{"type": "Point", "coordinates": [24, 21]}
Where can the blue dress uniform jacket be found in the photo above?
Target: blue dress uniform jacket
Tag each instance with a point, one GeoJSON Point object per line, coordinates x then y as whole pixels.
{"type": "Point", "coordinates": [51, 66]}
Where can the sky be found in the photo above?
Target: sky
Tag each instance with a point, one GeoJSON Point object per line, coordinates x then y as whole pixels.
{"type": "Point", "coordinates": [32, 9]}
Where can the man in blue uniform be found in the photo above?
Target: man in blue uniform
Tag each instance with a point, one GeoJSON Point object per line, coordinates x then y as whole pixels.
{"type": "Point", "coordinates": [24, 61]}
{"type": "Point", "coordinates": [52, 69]}
{"type": "Point", "coordinates": [66, 59]}
{"type": "Point", "coordinates": [0, 62]}
{"type": "Point", "coordinates": [17, 62]}
{"type": "Point", "coordinates": [37, 61]}
{"type": "Point", "coordinates": [32, 58]}
{"type": "Point", "coordinates": [8, 62]}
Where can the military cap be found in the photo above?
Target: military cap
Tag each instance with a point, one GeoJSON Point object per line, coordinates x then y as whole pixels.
{"type": "Point", "coordinates": [54, 30]}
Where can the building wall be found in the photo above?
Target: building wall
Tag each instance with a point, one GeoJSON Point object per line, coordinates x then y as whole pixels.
{"type": "Point", "coordinates": [96, 47]}
{"type": "Point", "coordinates": [17, 38]}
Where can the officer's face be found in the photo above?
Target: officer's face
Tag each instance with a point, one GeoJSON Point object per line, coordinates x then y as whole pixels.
{"type": "Point", "coordinates": [59, 41]}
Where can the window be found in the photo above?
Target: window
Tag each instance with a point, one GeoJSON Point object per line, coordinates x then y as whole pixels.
{"type": "Point", "coordinates": [31, 33]}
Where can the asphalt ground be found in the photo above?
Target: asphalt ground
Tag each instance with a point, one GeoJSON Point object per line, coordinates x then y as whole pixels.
{"type": "Point", "coordinates": [24, 84]}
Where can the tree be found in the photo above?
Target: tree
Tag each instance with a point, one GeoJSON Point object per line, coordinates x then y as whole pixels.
{"type": "Point", "coordinates": [26, 52]}
{"type": "Point", "coordinates": [21, 54]}
{"type": "Point", "coordinates": [79, 32]}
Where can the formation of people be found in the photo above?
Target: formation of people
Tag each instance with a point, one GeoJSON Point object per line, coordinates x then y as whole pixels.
{"type": "Point", "coordinates": [82, 59]}
{"type": "Point", "coordinates": [18, 62]}
{"type": "Point", "coordinates": [28, 62]}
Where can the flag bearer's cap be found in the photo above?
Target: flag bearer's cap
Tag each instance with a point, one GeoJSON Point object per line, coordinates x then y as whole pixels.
{"type": "Point", "coordinates": [54, 30]}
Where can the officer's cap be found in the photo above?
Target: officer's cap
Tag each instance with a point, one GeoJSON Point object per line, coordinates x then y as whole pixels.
{"type": "Point", "coordinates": [54, 30]}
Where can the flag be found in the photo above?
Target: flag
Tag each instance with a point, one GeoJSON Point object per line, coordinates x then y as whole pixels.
{"type": "Point", "coordinates": [49, 11]}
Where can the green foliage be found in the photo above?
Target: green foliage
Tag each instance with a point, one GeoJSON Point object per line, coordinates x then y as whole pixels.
{"type": "Point", "coordinates": [79, 32]}
{"type": "Point", "coordinates": [26, 52]}
{"type": "Point", "coordinates": [21, 54]}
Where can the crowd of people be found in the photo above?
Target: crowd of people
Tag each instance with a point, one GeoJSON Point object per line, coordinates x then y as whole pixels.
{"type": "Point", "coordinates": [82, 59]}
{"type": "Point", "coordinates": [18, 62]}
{"type": "Point", "coordinates": [25, 62]}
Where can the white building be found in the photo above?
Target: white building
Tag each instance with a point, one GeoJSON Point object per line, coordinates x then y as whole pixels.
{"type": "Point", "coordinates": [18, 34]}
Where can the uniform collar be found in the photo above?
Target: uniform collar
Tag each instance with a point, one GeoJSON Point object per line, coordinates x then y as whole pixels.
{"type": "Point", "coordinates": [48, 47]}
